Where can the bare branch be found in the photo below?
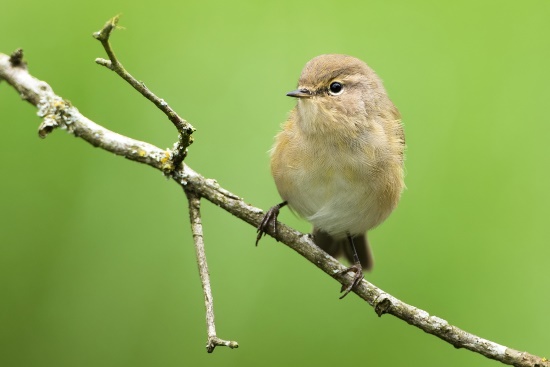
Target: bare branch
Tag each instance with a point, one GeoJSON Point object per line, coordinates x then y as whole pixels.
{"type": "Point", "coordinates": [65, 116]}
{"type": "Point", "coordinates": [196, 229]}
{"type": "Point", "coordinates": [185, 129]}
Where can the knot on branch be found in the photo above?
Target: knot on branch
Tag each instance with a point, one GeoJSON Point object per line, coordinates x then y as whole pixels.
{"type": "Point", "coordinates": [16, 59]}
{"type": "Point", "coordinates": [104, 33]}
{"type": "Point", "coordinates": [56, 112]}
{"type": "Point", "coordinates": [382, 304]}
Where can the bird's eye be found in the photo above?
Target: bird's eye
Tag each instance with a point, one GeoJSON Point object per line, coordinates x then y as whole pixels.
{"type": "Point", "coordinates": [335, 88]}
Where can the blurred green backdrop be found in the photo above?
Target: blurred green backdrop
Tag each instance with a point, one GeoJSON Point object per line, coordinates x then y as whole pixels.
{"type": "Point", "coordinates": [97, 265]}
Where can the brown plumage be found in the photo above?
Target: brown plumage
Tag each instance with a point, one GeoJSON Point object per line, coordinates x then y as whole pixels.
{"type": "Point", "coordinates": [338, 162]}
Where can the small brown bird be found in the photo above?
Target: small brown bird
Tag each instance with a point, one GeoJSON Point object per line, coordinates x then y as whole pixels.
{"type": "Point", "coordinates": [339, 160]}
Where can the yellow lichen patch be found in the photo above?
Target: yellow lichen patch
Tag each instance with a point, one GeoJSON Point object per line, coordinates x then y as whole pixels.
{"type": "Point", "coordinates": [58, 104]}
{"type": "Point", "coordinates": [141, 152]}
{"type": "Point", "coordinates": [167, 167]}
{"type": "Point", "coordinates": [166, 162]}
{"type": "Point", "coordinates": [166, 157]}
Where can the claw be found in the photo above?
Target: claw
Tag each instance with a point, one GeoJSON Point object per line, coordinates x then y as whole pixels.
{"type": "Point", "coordinates": [357, 278]}
{"type": "Point", "coordinates": [269, 218]}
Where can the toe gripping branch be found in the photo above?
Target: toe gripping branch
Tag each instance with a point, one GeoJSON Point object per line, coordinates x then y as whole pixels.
{"type": "Point", "coordinates": [270, 219]}
{"type": "Point", "coordinates": [356, 268]}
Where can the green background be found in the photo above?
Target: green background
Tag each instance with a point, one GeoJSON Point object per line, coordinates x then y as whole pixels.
{"type": "Point", "coordinates": [97, 264]}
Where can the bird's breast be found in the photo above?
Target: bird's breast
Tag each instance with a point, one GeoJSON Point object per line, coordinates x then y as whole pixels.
{"type": "Point", "coordinates": [339, 186]}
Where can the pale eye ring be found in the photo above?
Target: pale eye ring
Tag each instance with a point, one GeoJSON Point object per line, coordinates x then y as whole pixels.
{"type": "Point", "coordinates": [336, 88]}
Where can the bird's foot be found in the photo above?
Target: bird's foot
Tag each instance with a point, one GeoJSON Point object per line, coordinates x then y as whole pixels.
{"type": "Point", "coordinates": [357, 278]}
{"type": "Point", "coordinates": [270, 218]}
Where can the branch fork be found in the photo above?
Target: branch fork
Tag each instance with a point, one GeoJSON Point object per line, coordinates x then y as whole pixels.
{"type": "Point", "coordinates": [198, 238]}
{"type": "Point", "coordinates": [185, 129]}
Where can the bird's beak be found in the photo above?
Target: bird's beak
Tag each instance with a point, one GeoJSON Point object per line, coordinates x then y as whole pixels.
{"type": "Point", "coordinates": [300, 93]}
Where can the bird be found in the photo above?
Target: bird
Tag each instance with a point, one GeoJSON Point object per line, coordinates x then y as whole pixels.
{"type": "Point", "coordinates": [339, 160]}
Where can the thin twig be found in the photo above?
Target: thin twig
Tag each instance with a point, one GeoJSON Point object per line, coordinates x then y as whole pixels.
{"type": "Point", "coordinates": [184, 128]}
{"type": "Point", "coordinates": [40, 94]}
{"type": "Point", "coordinates": [196, 229]}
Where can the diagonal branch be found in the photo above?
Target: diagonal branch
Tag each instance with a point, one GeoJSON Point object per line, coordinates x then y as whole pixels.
{"type": "Point", "coordinates": [53, 108]}
{"type": "Point", "coordinates": [196, 229]}
{"type": "Point", "coordinates": [184, 128]}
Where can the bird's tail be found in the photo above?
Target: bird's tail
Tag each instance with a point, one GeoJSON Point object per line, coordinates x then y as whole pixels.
{"type": "Point", "coordinates": [338, 247]}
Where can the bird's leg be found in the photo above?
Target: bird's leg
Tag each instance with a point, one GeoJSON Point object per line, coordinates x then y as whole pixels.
{"type": "Point", "coordinates": [269, 218]}
{"type": "Point", "coordinates": [355, 268]}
